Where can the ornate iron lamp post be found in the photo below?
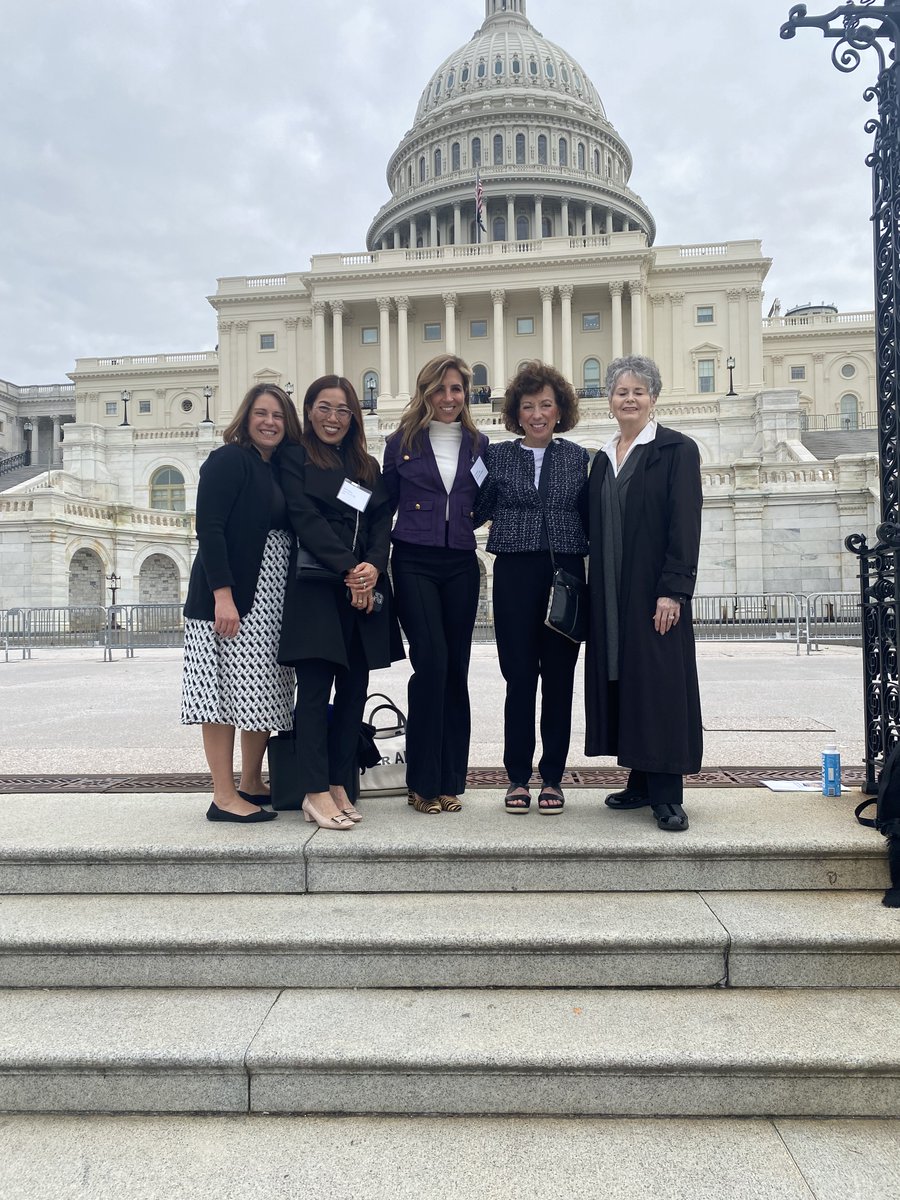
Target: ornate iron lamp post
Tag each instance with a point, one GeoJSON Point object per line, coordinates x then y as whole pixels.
{"type": "Point", "coordinates": [126, 396]}
{"type": "Point", "coordinates": [856, 28]}
{"type": "Point", "coordinates": [730, 365]}
{"type": "Point", "coordinates": [207, 396]}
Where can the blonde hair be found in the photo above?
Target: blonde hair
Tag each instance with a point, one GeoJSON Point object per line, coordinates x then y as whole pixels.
{"type": "Point", "coordinates": [419, 413]}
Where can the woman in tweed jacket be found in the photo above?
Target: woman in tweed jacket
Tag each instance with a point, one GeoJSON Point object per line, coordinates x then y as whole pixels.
{"type": "Point", "coordinates": [535, 475]}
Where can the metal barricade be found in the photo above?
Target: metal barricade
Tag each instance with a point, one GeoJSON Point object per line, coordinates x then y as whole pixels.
{"type": "Point", "coordinates": [832, 617]}
{"type": "Point", "coordinates": [153, 626]}
{"type": "Point", "coordinates": [763, 617]}
{"type": "Point", "coordinates": [80, 627]}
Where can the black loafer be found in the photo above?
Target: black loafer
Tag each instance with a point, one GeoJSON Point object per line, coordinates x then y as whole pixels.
{"type": "Point", "coordinates": [260, 799]}
{"type": "Point", "coordinates": [671, 817]}
{"type": "Point", "coordinates": [627, 799]}
{"type": "Point", "coordinates": [219, 814]}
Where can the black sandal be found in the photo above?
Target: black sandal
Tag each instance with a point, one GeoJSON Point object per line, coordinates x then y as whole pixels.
{"type": "Point", "coordinates": [551, 800]}
{"type": "Point", "coordinates": [517, 799]}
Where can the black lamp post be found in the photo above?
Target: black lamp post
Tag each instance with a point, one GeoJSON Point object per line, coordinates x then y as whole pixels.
{"type": "Point", "coordinates": [855, 29]}
{"type": "Point", "coordinates": [28, 429]}
{"type": "Point", "coordinates": [730, 364]}
{"type": "Point", "coordinates": [207, 396]}
{"type": "Point", "coordinates": [126, 396]}
{"type": "Point", "coordinates": [289, 388]}
{"type": "Point", "coordinates": [370, 397]}
{"type": "Point", "coordinates": [114, 583]}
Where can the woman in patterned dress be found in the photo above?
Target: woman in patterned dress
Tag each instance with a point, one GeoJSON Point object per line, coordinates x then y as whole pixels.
{"type": "Point", "coordinates": [232, 679]}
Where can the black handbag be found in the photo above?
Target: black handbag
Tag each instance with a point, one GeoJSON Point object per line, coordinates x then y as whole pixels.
{"type": "Point", "coordinates": [308, 566]}
{"type": "Point", "coordinates": [567, 609]}
{"type": "Point", "coordinates": [284, 776]}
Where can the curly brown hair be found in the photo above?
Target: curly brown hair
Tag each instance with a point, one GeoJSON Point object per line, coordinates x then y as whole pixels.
{"type": "Point", "coordinates": [531, 378]}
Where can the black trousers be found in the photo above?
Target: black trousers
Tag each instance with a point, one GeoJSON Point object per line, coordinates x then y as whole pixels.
{"type": "Point", "coordinates": [528, 651]}
{"type": "Point", "coordinates": [662, 787]}
{"type": "Point", "coordinates": [436, 592]}
{"type": "Point", "coordinates": [327, 750]}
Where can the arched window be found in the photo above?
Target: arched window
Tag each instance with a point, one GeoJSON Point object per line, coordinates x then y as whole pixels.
{"type": "Point", "coordinates": [498, 149]}
{"type": "Point", "coordinates": [849, 412]}
{"type": "Point", "coordinates": [591, 377]}
{"type": "Point", "coordinates": [520, 148]}
{"type": "Point", "coordinates": [596, 162]}
{"type": "Point", "coordinates": [481, 70]}
{"type": "Point", "coordinates": [581, 160]}
{"type": "Point", "coordinates": [516, 66]}
{"type": "Point", "coordinates": [437, 164]}
{"type": "Point", "coordinates": [167, 490]}
{"type": "Point", "coordinates": [158, 582]}
{"type": "Point", "coordinates": [454, 157]}
{"type": "Point", "coordinates": [451, 79]}
{"type": "Point", "coordinates": [542, 149]}
{"type": "Point", "coordinates": [523, 231]}
{"type": "Point", "coordinates": [437, 87]}
{"type": "Point", "coordinates": [369, 395]}
{"type": "Point", "coordinates": [409, 175]}
{"type": "Point", "coordinates": [498, 229]}
{"type": "Point", "coordinates": [422, 169]}
{"type": "Point", "coordinates": [533, 68]}
{"type": "Point", "coordinates": [86, 579]}
{"type": "Point", "coordinates": [563, 152]}
{"type": "Point", "coordinates": [498, 66]}
{"type": "Point", "coordinates": [564, 72]}
{"type": "Point", "coordinates": [479, 375]}
{"type": "Point", "coordinates": [609, 166]}
{"type": "Point", "coordinates": [464, 74]}
{"type": "Point", "coordinates": [476, 152]}
{"type": "Point", "coordinates": [550, 69]}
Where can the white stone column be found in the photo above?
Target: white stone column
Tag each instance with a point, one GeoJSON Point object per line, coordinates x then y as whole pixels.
{"type": "Point", "coordinates": [589, 220]}
{"type": "Point", "coordinates": [777, 361]}
{"type": "Point", "coordinates": [733, 296]}
{"type": "Point", "coordinates": [616, 288]}
{"type": "Point", "coordinates": [564, 210]}
{"type": "Point", "coordinates": [753, 330]}
{"type": "Point", "coordinates": [384, 346]}
{"type": "Point", "coordinates": [819, 381]}
{"type": "Point", "coordinates": [449, 299]}
{"type": "Point", "coordinates": [609, 220]}
{"type": "Point", "coordinates": [397, 239]}
{"type": "Point", "coordinates": [510, 218]}
{"type": "Point", "coordinates": [54, 442]}
{"type": "Point", "coordinates": [498, 296]}
{"type": "Point", "coordinates": [677, 301]}
{"type": "Point", "coordinates": [402, 303]}
{"type": "Point", "coordinates": [290, 327]}
{"type": "Point", "coordinates": [547, 323]}
{"type": "Point", "coordinates": [657, 300]}
{"type": "Point", "coordinates": [337, 336]}
{"type": "Point", "coordinates": [457, 224]}
{"type": "Point", "coordinates": [636, 291]}
{"type": "Point", "coordinates": [241, 328]}
{"type": "Point", "coordinates": [319, 308]}
{"type": "Point", "coordinates": [432, 228]}
{"type": "Point", "coordinates": [538, 231]}
{"type": "Point", "coordinates": [413, 236]}
{"type": "Point", "coordinates": [566, 292]}
{"type": "Point", "coordinates": [225, 372]}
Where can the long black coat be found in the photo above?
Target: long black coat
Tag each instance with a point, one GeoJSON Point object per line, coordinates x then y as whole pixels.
{"type": "Point", "coordinates": [659, 725]}
{"type": "Point", "coordinates": [318, 618]}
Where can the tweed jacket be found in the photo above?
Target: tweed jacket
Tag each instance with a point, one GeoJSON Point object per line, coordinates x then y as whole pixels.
{"type": "Point", "coordinates": [509, 499]}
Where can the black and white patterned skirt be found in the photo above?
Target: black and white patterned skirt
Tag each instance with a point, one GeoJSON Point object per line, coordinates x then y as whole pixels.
{"type": "Point", "coordinates": [238, 681]}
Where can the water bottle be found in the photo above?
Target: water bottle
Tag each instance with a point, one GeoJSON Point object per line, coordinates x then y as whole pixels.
{"type": "Point", "coordinates": [831, 771]}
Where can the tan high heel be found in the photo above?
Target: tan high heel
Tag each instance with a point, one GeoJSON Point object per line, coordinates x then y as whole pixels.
{"type": "Point", "coordinates": [352, 815]}
{"type": "Point", "coordinates": [345, 805]}
{"type": "Point", "coordinates": [310, 814]}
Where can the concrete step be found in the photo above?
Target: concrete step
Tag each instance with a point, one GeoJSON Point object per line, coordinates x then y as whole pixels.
{"type": "Point", "coordinates": [444, 1158]}
{"type": "Point", "coordinates": [605, 939]}
{"type": "Point", "coordinates": [653, 1052]}
{"type": "Point", "coordinates": [739, 840]}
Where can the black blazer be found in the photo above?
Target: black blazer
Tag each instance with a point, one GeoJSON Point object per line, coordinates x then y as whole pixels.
{"type": "Point", "coordinates": [319, 620]}
{"type": "Point", "coordinates": [234, 513]}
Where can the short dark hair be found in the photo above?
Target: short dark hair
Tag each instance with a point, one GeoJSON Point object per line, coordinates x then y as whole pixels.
{"type": "Point", "coordinates": [533, 377]}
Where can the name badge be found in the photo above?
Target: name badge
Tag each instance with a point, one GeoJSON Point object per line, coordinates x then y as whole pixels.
{"type": "Point", "coordinates": [479, 471]}
{"type": "Point", "coordinates": [355, 495]}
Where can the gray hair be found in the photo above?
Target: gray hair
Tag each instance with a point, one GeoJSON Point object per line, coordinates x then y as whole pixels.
{"type": "Point", "coordinates": [634, 364]}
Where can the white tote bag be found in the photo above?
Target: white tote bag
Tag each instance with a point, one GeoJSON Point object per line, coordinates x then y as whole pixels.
{"type": "Point", "coordinates": [387, 778]}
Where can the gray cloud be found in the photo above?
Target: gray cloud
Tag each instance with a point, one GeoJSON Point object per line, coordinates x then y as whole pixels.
{"type": "Point", "coordinates": [152, 146]}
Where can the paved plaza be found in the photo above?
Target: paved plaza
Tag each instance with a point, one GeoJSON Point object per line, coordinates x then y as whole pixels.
{"type": "Point", "coordinates": [67, 711]}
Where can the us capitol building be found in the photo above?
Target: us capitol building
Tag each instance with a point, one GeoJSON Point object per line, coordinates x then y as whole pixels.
{"type": "Point", "coordinates": [566, 270]}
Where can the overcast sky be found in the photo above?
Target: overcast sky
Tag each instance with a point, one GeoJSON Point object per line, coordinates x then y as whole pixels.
{"type": "Point", "coordinates": [152, 146]}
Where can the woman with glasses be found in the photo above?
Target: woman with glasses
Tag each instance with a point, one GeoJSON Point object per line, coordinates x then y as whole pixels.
{"type": "Point", "coordinates": [433, 466]}
{"type": "Point", "coordinates": [338, 622]}
{"type": "Point", "coordinates": [232, 679]}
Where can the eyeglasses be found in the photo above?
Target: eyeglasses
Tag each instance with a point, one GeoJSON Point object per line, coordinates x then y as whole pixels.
{"type": "Point", "coordinates": [325, 410]}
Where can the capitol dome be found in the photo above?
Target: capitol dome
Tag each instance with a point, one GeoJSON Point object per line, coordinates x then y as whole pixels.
{"type": "Point", "coordinates": [520, 112]}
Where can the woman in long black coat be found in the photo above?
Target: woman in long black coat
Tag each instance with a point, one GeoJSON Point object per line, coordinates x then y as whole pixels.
{"type": "Point", "coordinates": [338, 621]}
{"type": "Point", "coordinates": [642, 696]}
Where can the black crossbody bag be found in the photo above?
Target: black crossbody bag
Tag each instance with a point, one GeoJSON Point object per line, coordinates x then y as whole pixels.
{"type": "Point", "coordinates": [567, 610]}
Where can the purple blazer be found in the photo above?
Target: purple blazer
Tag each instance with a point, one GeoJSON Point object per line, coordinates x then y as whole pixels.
{"type": "Point", "coordinates": [418, 495]}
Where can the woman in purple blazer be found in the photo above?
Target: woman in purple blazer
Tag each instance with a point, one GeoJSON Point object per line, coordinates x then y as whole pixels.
{"type": "Point", "coordinates": [431, 467]}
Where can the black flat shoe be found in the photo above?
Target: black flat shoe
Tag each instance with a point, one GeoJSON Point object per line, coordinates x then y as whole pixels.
{"type": "Point", "coordinates": [260, 799]}
{"type": "Point", "coordinates": [219, 814]}
{"type": "Point", "coordinates": [627, 799]}
{"type": "Point", "coordinates": [671, 817]}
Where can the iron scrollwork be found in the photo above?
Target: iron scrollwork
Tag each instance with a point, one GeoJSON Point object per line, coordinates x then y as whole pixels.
{"type": "Point", "coordinates": [856, 28]}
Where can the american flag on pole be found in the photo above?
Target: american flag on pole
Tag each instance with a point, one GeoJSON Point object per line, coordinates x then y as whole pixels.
{"type": "Point", "coordinates": [479, 202]}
